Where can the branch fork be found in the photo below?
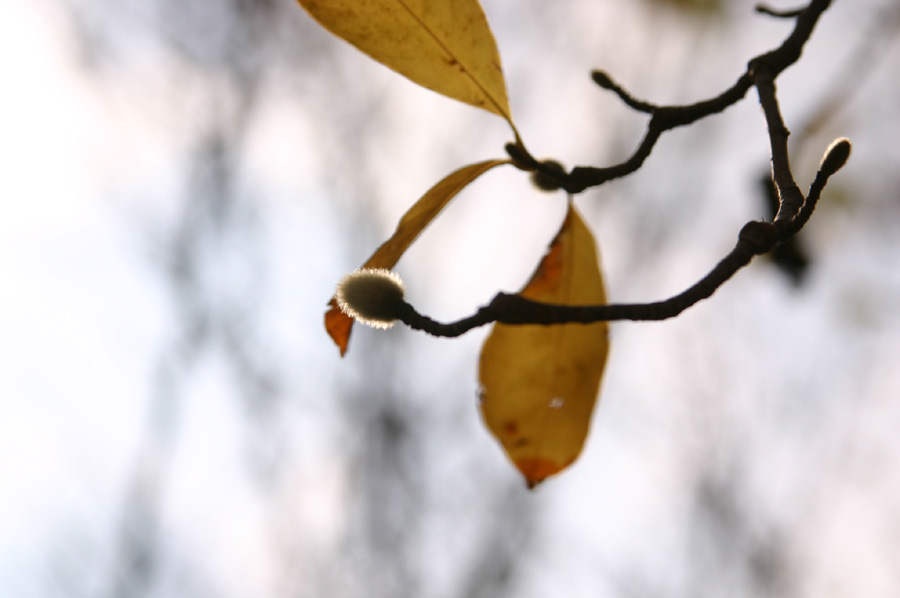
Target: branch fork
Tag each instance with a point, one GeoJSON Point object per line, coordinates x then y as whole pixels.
{"type": "Point", "coordinates": [755, 238]}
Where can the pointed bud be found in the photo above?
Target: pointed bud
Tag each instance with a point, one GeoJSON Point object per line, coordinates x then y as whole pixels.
{"type": "Point", "coordinates": [602, 79]}
{"type": "Point", "coordinates": [373, 296]}
{"type": "Point", "coordinates": [835, 156]}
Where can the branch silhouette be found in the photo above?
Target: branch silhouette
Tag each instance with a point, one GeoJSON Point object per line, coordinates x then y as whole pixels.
{"type": "Point", "coordinates": [774, 12]}
{"type": "Point", "coordinates": [755, 238]}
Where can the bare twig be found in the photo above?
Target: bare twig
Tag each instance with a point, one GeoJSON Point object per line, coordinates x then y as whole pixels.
{"type": "Point", "coordinates": [755, 237]}
{"type": "Point", "coordinates": [664, 118]}
{"type": "Point", "coordinates": [782, 14]}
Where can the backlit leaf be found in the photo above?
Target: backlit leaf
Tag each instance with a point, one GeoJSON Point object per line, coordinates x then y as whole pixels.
{"type": "Point", "coordinates": [444, 45]}
{"type": "Point", "coordinates": [337, 323]}
{"type": "Point", "coordinates": [539, 384]}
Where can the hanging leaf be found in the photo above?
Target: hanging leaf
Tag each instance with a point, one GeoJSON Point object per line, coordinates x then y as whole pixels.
{"type": "Point", "coordinates": [337, 323]}
{"type": "Point", "coordinates": [444, 45]}
{"type": "Point", "coordinates": [539, 383]}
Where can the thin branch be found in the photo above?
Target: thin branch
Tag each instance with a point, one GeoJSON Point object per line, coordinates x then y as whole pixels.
{"type": "Point", "coordinates": [782, 14]}
{"type": "Point", "coordinates": [603, 80]}
{"type": "Point", "coordinates": [790, 198]}
{"type": "Point", "coordinates": [506, 308]}
{"type": "Point", "coordinates": [664, 118]}
{"type": "Point", "coordinates": [755, 238]}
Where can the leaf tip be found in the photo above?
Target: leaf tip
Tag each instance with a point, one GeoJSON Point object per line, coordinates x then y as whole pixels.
{"type": "Point", "coordinates": [338, 325]}
{"type": "Point", "coordinates": [535, 470]}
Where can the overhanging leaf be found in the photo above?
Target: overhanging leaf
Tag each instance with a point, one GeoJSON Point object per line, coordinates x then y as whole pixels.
{"type": "Point", "coordinates": [539, 384]}
{"type": "Point", "coordinates": [444, 45]}
{"type": "Point", "coordinates": [338, 324]}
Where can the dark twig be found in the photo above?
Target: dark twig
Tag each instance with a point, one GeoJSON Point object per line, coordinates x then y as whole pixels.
{"type": "Point", "coordinates": [774, 12]}
{"type": "Point", "coordinates": [755, 237]}
{"type": "Point", "coordinates": [790, 198]}
{"type": "Point", "coordinates": [835, 157]}
{"type": "Point", "coordinates": [664, 118]}
{"type": "Point", "coordinates": [605, 81]}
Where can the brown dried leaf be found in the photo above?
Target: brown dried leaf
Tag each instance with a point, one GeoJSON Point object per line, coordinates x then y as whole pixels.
{"type": "Point", "coordinates": [539, 383]}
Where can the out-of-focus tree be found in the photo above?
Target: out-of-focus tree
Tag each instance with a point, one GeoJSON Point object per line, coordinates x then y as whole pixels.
{"type": "Point", "coordinates": [745, 448]}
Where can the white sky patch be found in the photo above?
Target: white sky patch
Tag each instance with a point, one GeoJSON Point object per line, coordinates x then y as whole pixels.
{"type": "Point", "coordinates": [79, 318]}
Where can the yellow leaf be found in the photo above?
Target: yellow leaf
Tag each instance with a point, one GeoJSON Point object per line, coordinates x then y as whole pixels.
{"type": "Point", "coordinates": [444, 45]}
{"type": "Point", "coordinates": [539, 384]}
{"type": "Point", "coordinates": [412, 223]}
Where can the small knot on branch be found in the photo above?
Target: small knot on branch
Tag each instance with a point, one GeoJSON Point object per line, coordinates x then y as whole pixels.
{"type": "Point", "coordinates": [759, 237]}
{"type": "Point", "coordinates": [549, 175]}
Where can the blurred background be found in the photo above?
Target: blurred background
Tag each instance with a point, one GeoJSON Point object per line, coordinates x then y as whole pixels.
{"type": "Point", "coordinates": [184, 182]}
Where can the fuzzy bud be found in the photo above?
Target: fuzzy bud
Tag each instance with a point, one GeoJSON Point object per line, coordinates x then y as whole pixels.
{"type": "Point", "coordinates": [373, 296]}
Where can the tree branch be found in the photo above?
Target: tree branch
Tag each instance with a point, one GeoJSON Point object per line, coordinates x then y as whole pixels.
{"type": "Point", "coordinates": [759, 69]}
{"type": "Point", "coordinates": [755, 238]}
{"type": "Point", "coordinates": [774, 12]}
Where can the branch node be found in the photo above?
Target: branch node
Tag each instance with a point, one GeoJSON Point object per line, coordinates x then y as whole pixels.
{"type": "Point", "coordinates": [759, 237]}
{"type": "Point", "coordinates": [549, 176]}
